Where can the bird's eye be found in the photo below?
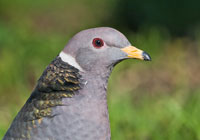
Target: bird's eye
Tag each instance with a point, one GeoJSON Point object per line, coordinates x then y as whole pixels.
{"type": "Point", "coordinates": [97, 42]}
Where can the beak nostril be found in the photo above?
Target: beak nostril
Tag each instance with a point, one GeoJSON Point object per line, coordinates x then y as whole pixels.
{"type": "Point", "coordinates": [134, 51]}
{"type": "Point", "coordinates": [146, 56]}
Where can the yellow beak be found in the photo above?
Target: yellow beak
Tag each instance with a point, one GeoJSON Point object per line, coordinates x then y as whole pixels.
{"type": "Point", "coordinates": [136, 53]}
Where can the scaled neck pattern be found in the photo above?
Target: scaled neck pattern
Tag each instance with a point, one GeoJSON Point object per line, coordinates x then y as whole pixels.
{"type": "Point", "coordinates": [59, 80]}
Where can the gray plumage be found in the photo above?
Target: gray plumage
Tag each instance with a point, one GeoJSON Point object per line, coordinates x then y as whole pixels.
{"type": "Point", "coordinates": [69, 103]}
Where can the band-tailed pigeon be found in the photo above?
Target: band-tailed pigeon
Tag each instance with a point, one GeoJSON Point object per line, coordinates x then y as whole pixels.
{"type": "Point", "coordinates": [69, 101]}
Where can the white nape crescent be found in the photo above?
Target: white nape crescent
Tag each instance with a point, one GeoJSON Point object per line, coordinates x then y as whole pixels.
{"type": "Point", "coordinates": [70, 60]}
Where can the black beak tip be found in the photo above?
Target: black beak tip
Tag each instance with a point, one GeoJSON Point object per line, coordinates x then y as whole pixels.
{"type": "Point", "coordinates": [146, 56]}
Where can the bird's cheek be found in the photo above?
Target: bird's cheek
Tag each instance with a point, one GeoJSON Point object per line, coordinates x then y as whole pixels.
{"type": "Point", "coordinates": [115, 55]}
{"type": "Point", "coordinates": [87, 60]}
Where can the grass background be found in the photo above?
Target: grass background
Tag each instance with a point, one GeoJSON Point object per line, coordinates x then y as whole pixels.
{"type": "Point", "coordinates": [157, 100]}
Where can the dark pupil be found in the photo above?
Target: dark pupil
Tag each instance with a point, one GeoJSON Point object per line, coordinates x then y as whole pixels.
{"type": "Point", "coordinates": [98, 43]}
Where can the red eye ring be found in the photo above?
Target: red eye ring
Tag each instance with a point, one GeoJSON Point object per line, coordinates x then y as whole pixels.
{"type": "Point", "coordinates": [97, 42]}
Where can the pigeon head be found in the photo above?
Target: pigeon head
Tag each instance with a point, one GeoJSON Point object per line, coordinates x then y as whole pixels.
{"type": "Point", "coordinates": [70, 98]}
{"type": "Point", "coordinates": [99, 48]}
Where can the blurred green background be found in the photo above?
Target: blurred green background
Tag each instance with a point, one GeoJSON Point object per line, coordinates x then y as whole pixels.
{"type": "Point", "coordinates": [157, 100]}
